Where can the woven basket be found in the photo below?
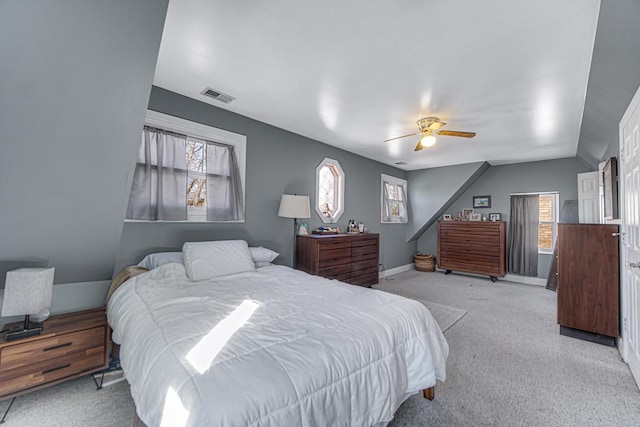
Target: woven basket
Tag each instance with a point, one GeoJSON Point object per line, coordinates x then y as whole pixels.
{"type": "Point", "coordinates": [425, 262]}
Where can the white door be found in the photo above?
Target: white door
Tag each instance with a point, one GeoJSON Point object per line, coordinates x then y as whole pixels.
{"type": "Point", "coordinates": [589, 197]}
{"type": "Point", "coordinates": [630, 253]}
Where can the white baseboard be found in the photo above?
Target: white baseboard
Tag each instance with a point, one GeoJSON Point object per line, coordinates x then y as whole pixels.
{"type": "Point", "coordinates": [68, 297]}
{"type": "Point", "coordinates": [396, 270]}
{"type": "Point", "coordinates": [537, 281]}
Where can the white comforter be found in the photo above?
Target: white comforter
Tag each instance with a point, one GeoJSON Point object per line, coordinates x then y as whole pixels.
{"type": "Point", "coordinates": [314, 352]}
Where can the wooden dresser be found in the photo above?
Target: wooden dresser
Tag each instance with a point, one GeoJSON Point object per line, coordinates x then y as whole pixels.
{"type": "Point", "coordinates": [350, 258]}
{"type": "Point", "coordinates": [473, 247]}
{"type": "Point", "coordinates": [588, 281]}
{"type": "Point", "coordinates": [71, 345]}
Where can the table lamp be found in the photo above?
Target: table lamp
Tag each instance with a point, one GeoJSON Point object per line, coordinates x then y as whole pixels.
{"type": "Point", "coordinates": [27, 292]}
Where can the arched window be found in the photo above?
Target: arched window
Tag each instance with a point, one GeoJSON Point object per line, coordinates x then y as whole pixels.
{"type": "Point", "coordinates": [329, 190]}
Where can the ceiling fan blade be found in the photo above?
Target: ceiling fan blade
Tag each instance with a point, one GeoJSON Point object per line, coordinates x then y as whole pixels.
{"type": "Point", "coordinates": [419, 146]}
{"type": "Point", "coordinates": [436, 125]}
{"type": "Point", "coordinates": [403, 136]}
{"type": "Point", "coordinates": [456, 133]}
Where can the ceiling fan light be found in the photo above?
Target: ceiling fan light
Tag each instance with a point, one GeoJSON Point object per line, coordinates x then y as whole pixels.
{"type": "Point", "coordinates": [428, 140]}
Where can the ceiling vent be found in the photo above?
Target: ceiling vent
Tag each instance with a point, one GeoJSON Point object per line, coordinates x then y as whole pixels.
{"type": "Point", "coordinates": [217, 95]}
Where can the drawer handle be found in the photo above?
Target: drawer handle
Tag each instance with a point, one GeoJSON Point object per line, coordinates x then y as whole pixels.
{"type": "Point", "coordinates": [56, 369]}
{"type": "Point", "coordinates": [67, 344]}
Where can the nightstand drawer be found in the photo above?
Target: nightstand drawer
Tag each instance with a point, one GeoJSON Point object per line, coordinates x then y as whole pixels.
{"type": "Point", "coordinates": [50, 370]}
{"type": "Point", "coordinates": [23, 354]}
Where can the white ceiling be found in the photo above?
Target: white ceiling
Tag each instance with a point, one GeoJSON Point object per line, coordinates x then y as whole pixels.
{"type": "Point", "coordinates": [352, 74]}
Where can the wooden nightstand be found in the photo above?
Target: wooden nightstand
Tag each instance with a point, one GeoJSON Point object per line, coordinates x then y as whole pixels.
{"type": "Point", "coordinates": [71, 345]}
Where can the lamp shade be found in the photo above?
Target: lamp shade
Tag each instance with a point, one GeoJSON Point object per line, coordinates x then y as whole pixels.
{"type": "Point", "coordinates": [27, 291]}
{"type": "Point", "coordinates": [294, 206]}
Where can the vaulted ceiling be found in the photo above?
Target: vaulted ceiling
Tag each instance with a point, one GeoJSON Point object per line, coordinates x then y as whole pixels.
{"type": "Point", "coordinates": [353, 74]}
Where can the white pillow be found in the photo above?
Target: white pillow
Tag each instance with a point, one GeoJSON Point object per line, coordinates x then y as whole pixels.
{"type": "Point", "coordinates": [206, 260]}
{"type": "Point", "coordinates": [262, 255]}
{"type": "Point", "coordinates": [154, 260]}
{"type": "Point", "coordinates": [262, 263]}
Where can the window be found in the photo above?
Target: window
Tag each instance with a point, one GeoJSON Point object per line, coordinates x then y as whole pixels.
{"type": "Point", "coordinates": [329, 190]}
{"type": "Point", "coordinates": [393, 199]}
{"type": "Point", "coordinates": [213, 187]}
{"type": "Point", "coordinates": [547, 221]}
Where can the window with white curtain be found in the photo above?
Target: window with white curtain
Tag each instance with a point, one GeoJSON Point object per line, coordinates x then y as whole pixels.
{"type": "Point", "coordinates": [329, 190]}
{"type": "Point", "coordinates": [192, 171]}
{"type": "Point", "coordinates": [393, 199]}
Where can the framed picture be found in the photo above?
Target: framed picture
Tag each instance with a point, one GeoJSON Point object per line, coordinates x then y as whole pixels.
{"type": "Point", "coordinates": [447, 217]}
{"type": "Point", "coordinates": [495, 217]}
{"type": "Point", "coordinates": [466, 212]}
{"type": "Point", "coordinates": [481, 201]}
{"type": "Point", "coordinates": [610, 187]}
{"type": "Point", "coordinates": [475, 217]}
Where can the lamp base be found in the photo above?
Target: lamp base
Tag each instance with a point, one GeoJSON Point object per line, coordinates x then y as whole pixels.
{"type": "Point", "coordinates": [23, 331]}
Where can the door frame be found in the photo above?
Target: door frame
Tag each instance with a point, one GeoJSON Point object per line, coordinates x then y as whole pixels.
{"type": "Point", "coordinates": [624, 349]}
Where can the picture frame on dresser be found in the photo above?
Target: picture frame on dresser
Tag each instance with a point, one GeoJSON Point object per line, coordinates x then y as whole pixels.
{"type": "Point", "coordinates": [475, 217]}
{"type": "Point", "coordinates": [495, 217]}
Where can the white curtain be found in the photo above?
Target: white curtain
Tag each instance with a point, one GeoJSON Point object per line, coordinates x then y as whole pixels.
{"type": "Point", "coordinates": [225, 201]}
{"type": "Point", "coordinates": [387, 208]}
{"type": "Point", "coordinates": [159, 189]}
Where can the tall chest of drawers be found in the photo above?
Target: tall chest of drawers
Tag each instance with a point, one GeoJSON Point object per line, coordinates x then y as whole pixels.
{"type": "Point", "coordinates": [350, 258]}
{"type": "Point", "coordinates": [473, 247]}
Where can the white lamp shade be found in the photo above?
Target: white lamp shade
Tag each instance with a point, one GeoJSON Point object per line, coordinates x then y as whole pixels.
{"type": "Point", "coordinates": [294, 206]}
{"type": "Point", "coordinates": [27, 291]}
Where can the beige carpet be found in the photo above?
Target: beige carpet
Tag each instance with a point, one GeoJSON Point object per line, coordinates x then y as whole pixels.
{"type": "Point", "coordinates": [507, 366]}
{"type": "Point", "coordinates": [445, 316]}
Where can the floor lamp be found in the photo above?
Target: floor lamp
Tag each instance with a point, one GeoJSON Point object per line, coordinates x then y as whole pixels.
{"type": "Point", "coordinates": [294, 206]}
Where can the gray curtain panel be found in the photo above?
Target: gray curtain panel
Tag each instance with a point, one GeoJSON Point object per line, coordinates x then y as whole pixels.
{"type": "Point", "coordinates": [523, 235]}
{"type": "Point", "coordinates": [225, 201]}
{"type": "Point", "coordinates": [159, 189]}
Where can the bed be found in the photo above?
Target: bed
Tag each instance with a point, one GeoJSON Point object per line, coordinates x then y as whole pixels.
{"type": "Point", "coordinates": [268, 345]}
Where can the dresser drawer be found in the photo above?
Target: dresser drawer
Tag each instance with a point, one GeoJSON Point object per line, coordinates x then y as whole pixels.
{"type": "Point", "coordinates": [329, 245]}
{"type": "Point", "coordinates": [23, 354]}
{"type": "Point", "coordinates": [365, 280]}
{"type": "Point", "coordinates": [334, 270]}
{"type": "Point", "coordinates": [334, 256]}
{"type": "Point", "coordinates": [364, 250]}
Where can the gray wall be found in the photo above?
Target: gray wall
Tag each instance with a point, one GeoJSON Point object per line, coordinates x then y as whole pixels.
{"type": "Point", "coordinates": [613, 79]}
{"type": "Point", "coordinates": [433, 190]}
{"type": "Point", "coordinates": [74, 86]}
{"type": "Point", "coordinates": [501, 181]}
{"type": "Point", "coordinates": [278, 162]}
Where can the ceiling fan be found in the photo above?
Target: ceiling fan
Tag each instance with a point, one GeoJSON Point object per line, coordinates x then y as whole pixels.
{"type": "Point", "coordinates": [429, 129]}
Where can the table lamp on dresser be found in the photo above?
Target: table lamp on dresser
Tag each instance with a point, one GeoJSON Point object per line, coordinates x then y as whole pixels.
{"type": "Point", "coordinates": [27, 292]}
